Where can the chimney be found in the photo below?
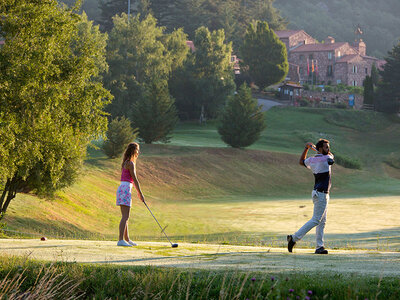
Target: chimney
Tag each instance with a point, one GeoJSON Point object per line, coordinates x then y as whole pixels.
{"type": "Point", "coordinates": [329, 40]}
{"type": "Point", "coordinates": [361, 47]}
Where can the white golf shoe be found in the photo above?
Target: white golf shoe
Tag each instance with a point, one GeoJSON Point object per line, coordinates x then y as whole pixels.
{"type": "Point", "coordinates": [123, 243]}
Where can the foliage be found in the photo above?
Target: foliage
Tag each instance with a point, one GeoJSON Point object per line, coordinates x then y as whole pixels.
{"type": "Point", "coordinates": [347, 162]}
{"type": "Point", "coordinates": [242, 121]}
{"type": "Point", "coordinates": [155, 114]}
{"type": "Point", "coordinates": [139, 53]}
{"type": "Point", "coordinates": [368, 90]}
{"type": "Point", "coordinates": [264, 55]}
{"type": "Point", "coordinates": [207, 76]}
{"type": "Point", "coordinates": [388, 98]}
{"type": "Point", "coordinates": [378, 20]}
{"type": "Point", "coordinates": [393, 160]}
{"type": "Point", "coordinates": [108, 9]}
{"type": "Point", "coordinates": [374, 75]}
{"type": "Point", "coordinates": [119, 135]}
{"type": "Point", "coordinates": [230, 15]}
{"type": "Point", "coordinates": [51, 105]}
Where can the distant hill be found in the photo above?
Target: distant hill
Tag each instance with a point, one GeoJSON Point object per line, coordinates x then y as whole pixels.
{"type": "Point", "coordinates": [338, 18]}
{"type": "Point", "coordinates": [379, 20]}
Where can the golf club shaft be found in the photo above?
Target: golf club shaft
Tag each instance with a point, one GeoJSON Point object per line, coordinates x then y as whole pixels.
{"type": "Point", "coordinates": [158, 223]}
{"type": "Point", "coordinates": [313, 148]}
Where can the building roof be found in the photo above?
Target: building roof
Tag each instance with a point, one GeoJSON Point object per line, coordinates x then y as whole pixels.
{"type": "Point", "coordinates": [348, 58]}
{"type": "Point", "coordinates": [319, 47]}
{"type": "Point", "coordinates": [286, 33]}
{"type": "Point", "coordinates": [292, 84]}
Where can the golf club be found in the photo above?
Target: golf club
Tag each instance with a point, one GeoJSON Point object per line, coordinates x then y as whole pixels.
{"type": "Point", "coordinates": [313, 148]}
{"type": "Point", "coordinates": [162, 229]}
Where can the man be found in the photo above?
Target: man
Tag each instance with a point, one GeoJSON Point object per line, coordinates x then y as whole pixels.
{"type": "Point", "coordinates": [320, 165]}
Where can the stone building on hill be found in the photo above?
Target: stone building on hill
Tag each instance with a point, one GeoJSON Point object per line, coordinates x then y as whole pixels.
{"type": "Point", "coordinates": [329, 62]}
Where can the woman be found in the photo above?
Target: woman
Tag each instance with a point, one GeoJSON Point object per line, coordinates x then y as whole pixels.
{"type": "Point", "coordinates": [124, 192]}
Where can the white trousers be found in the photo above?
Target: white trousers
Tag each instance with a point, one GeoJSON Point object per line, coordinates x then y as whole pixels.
{"type": "Point", "coordinates": [318, 219]}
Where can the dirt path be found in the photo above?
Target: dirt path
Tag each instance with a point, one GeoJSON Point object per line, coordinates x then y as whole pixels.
{"type": "Point", "coordinates": [203, 256]}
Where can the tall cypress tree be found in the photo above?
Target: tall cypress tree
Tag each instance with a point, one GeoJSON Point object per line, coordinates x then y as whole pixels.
{"type": "Point", "coordinates": [388, 99]}
{"type": "Point", "coordinates": [368, 90]}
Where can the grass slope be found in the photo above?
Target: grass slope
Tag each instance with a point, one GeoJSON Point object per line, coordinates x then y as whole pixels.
{"type": "Point", "coordinates": [208, 192]}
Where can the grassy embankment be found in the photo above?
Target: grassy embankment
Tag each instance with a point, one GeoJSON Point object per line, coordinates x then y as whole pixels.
{"type": "Point", "coordinates": [207, 192]}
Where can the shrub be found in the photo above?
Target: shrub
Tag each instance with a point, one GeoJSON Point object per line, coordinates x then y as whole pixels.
{"type": "Point", "coordinates": [347, 162]}
{"type": "Point", "coordinates": [328, 89]}
{"type": "Point", "coordinates": [242, 120]}
{"type": "Point", "coordinates": [119, 134]}
{"type": "Point", "coordinates": [341, 105]}
{"type": "Point", "coordinates": [304, 102]}
{"type": "Point", "coordinates": [393, 160]}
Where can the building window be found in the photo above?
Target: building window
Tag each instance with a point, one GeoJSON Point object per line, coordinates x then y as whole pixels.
{"type": "Point", "coordinates": [338, 54]}
{"type": "Point", "coordinates": [339, 81]}
{"type": "Point", "coordinates": [329, 55]}
{"type": "Point", "coordinates": [301, 57]}
{"type": "Point", "coordinates": [354, 83]}
{"type": "Point", "coordinates": [311, 56]}
{"type": "Point", "coordinates": [354, 69]}
{"type": "Point", "coordinates": [301, 71]}
{"type": "Point", "coordinates": [329, 71]}
{"type": "Point", "coordinates": [366, 71]}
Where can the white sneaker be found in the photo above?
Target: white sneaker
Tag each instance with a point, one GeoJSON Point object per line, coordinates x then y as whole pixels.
{"type": "Point", "coordinates": [132, 243]}
{"type": "Point", "coordinates": [123, 243]}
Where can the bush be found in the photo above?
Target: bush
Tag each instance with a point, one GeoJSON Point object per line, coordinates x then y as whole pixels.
{"type": "Point", "coordinates": [242, 120]}
{"type": "Point", "coordinates": [328, 89]}
{"type": "Point", "coordinates": [393, 160]}
{"type": "Point", "coordinates": [304, 102]}
{"type": "Point", "coordinates": [347, 162]}
{"type": "Point", "coordinates": [341, 105]}
{"type": "Point", "coordinates": [119, 134]}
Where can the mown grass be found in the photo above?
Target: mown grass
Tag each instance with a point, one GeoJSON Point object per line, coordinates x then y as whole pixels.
{"type": "Point", "coordinates": [24, 278]}
{"type": "Point", "coordinates": [207, 192]}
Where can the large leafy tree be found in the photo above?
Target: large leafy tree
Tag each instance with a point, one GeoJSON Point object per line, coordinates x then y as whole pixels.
{"type": "Point", "coordinates": [242, 120]}
{"type": "Point", "coordinates": [139, 53]}
{"type": "Point", "coordinates": [388, 98]}
{"type": "Point", "coordinates": [207, 78]}
{"type": "Point", "coordinates": [51, 103]}
{"type": "Point", "coordinates": [264, 55]}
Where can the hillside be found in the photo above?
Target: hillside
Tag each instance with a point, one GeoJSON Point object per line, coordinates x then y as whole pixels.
{"type": "Point", "coordinates": [339, 18]}
{"type": "Point", "coordinates": [209, 192]}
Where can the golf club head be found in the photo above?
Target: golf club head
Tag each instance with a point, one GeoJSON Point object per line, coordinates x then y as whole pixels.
{"type": "Point", "coordinates": [174, 245]}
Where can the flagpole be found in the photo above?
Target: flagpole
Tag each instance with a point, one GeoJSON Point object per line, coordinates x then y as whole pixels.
{"type": "Point", "coordinates": [129, 8]}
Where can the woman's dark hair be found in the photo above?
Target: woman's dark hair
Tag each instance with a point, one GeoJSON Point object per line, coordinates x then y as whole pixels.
{"type": "Point", "coordinates": [321, 143]}
{"type": "Point", "coordinates": [132, 149]}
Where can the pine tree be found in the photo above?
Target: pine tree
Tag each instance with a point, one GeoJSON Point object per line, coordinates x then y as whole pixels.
{"type": "Point", "coordinates": [155, 114]}
{"type": "Point", "coordinates": [119, 135]}
{"type": "Point", "coordinates": [242, 121]}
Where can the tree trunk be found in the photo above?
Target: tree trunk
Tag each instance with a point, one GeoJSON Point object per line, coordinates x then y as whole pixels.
{"type": "Point", "coordinates": [9, 193]}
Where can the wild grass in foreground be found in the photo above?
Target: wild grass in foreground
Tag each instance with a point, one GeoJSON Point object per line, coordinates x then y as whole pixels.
{"type": "Point", "coordinates": [27, 279]}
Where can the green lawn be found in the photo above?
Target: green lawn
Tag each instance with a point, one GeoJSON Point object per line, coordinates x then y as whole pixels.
{"type": "Point", "coordinates": [207, 192]}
